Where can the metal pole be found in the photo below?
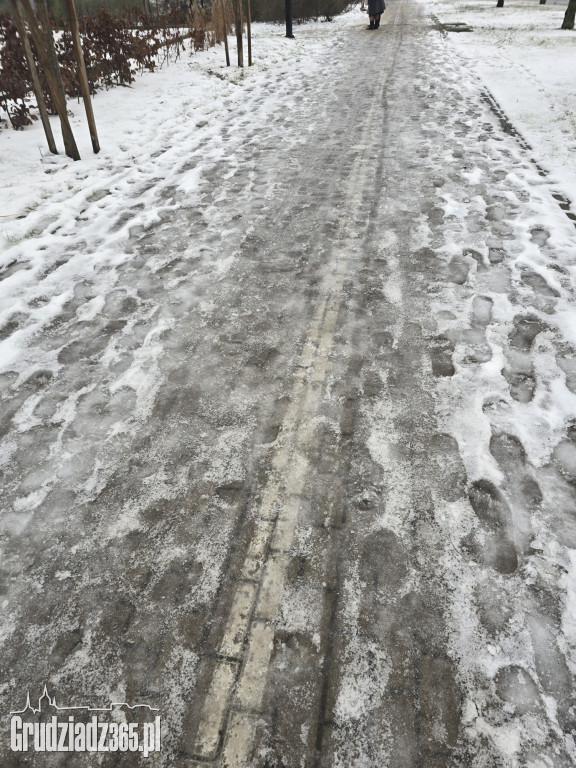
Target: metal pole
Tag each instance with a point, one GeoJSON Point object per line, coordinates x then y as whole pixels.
{"type": "Point", "coordinates": [288, 6]}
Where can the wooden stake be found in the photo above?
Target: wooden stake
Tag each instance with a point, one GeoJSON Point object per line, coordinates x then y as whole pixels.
{"type": "Point", "coordinates": [84, 86]}
{"type": "Point", "coordinates": [44, 42]}
{"type": "Point", "coordinates": [21, 27]}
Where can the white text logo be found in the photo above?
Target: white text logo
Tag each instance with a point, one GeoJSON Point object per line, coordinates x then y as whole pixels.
{"type": "Point", "coordinates": [84, 731]}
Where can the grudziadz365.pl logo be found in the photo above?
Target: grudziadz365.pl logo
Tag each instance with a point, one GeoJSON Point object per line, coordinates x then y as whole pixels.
{"type": "Point", "coordinates": [52, 728]}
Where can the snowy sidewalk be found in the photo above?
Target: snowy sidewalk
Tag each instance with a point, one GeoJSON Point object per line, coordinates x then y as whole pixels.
{"type": "Point", "coordinates": [288, 418]}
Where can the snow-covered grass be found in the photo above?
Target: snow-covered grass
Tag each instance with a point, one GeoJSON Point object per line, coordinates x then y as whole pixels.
{"type": "Point", "coordinates": [133, 122]}
{"type": "Point", "coordinates": [528, 63]}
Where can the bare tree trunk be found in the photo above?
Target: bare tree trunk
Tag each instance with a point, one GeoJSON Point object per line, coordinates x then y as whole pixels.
{"type": "Point", "coordinates": [500, 4]}
{"type": "Point", "coordinates": [226, 49]}
{"type": "Point", "coordinates": [237, 4]}
{"type": "Point", "coordinates": [44, 42]}
{"type": "Point", "coordinates": [84, 86]}
{"type": "Point", "coordinates": [570, 15]}
{"type": "Point", "coordinates": [224, 7]}
{"type": "Point", "coordinates": [21, 27]}
{"type": "Point", "coordinates": [249, 31]}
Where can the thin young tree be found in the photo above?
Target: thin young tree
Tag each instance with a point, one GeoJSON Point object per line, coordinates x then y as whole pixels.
{"type": "Point", "coordinates": [44, 42]}
{"type": "Point", "coordinates": [82, 76]}
{"type": "Point", "coordinates": [570, 15]}
{"type": "Point", "coordinates": [36, 86]}
{"type": "Point", "coordinates": [237, 6]}
{"type": "Point", "coordinates": [223, 10]}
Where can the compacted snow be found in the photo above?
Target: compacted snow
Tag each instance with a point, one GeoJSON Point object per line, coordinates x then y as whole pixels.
{"type": "Point", "coordinates": [288, 381]}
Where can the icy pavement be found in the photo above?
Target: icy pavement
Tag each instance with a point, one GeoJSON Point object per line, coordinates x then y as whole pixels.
{"type": "Point", "coordinates": [289, 427]}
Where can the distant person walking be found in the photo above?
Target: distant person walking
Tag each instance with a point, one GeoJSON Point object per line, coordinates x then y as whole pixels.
{"type": "Point", "coordinates": [375, 9]}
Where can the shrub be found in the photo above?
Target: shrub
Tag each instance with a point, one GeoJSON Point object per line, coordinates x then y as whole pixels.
{"type": "Point", "coordinates": [116, 46]}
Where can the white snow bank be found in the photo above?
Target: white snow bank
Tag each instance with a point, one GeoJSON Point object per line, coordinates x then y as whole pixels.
{"type": "Point", "coordinates": [527, 62]}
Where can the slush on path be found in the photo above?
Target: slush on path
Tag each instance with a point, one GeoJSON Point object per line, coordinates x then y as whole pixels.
{"type": "Point", "coordinates": [292, 461]}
